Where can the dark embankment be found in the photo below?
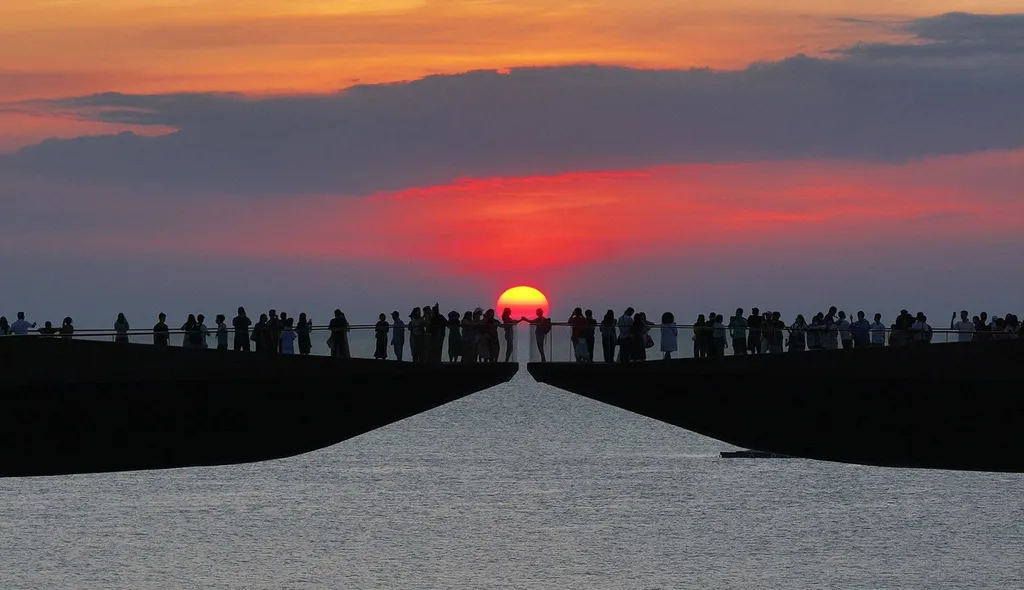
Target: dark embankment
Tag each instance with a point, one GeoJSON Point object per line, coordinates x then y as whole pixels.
{"type": "Point", "coordinates": [945, 406]}
{"type": "Point", "coordinates": [72, 406]}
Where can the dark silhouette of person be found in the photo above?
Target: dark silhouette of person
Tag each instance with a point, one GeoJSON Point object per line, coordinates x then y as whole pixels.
{"type": "Point", "coordinates": [861, 331]}
{"type": "Point", "coordinates": [492, 347]}
{"type": "Point", "coordinates": [275, 326]}
{"type": "Point", "coordinates": [337, 327]}
{"type": "Point", "coordinates": [121, 328]}
{"type": "Point", "coordinates": [417, 334]}
{"type": "Point", "coordinates": [204, 332]}
{"type": "Point", "coordinates": [542, 327]}
{"type": "Point", "coordinates": [439, 329]}
{"type": "Point", "coordinates": [982, 331]}
{"type": "Point", "coordinates": [5, 326]}
{"type": "Point", "coordinates": [609, 336]}
{"type": "Point", "coordinates": [397, 335]}
{"type": "Point", "coordinates": [623, 339]}
{"type": "Point", "coordinates": [241, 324]}
{"type": "Point", "coordinates": [700, 337]}
{"type": "Point", "coordinates": [47, 331]}
{"type": "Point", "coordinates": [67, 328]}
{"type": "Point", "coordinates": [754, 323]}
{"type": "Point", "coordinates": [738, 333]}
{"type": "Point", "coordinates": [380, 333]}
{"type": "Point", "coordinates": [455, 344]}
{"type": "Point", "coordinates": [304, 330]}
{"type": "Point", "coordinates": [578, 333]}
{"type": "Point", "coordinates": [798, 334]}
{"type": "Point", "coordinates": [161, 333]}
{"type": "Point", "coordinates": [222, 332]}
{"type": "Point", "coordinates": [193, 338]}
{"type": "Point", "coordinates": [590, 335]}
{"type": "Point", "coordinates": [509, 325]}
{"type": "Point", "coordinates": [469, 337]}
{"type": "Point", "coordinates": [282, 322]}
{"type": "Point", "coordinates": [262, 335]}
{"type": "Point", "coordinates": [637, 338]}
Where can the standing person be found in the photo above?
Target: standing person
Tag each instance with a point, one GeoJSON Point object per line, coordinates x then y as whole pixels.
{"type": "Point", "coordinates": [5, 328]}
{"type": "Point", "coordinates": [844, 331]}
{"type": "Point", "coordinates": [304, 331]}
{"type": "Point", "coordinates": [417, 334]}
{"type": "Point", "coordinates": [637, 338]}
{"type": "Point", "coordinates": [397, 335]}
{"type": "Point", "coordinates": [542, 327]}
{"type": "Point", "coordinates": [920, 331]}
{"type": "Point", "coordinates": [190, 333]}
{"type": "Point", "coordinates": [877, 332]}
{"type": "Point", "coordinates": [754, 323]}
{"type": "Point", "coordinates": [700, 348]}
{"type": "Point", "coordinates": [669, 335]}
{"type": "Point", "coordinates": [778, 333]}
{"type": "Point", "coordinates": [241, 323]}
{"type": "Point", "coordinates": [738, 333]}
{"type": "Point", "coordinates": [204, 332]}
{"type": "Point", "coordinates": [798, 335]}
{"type": "Point", "coordinates": [719, 334]}
{"type": "Point", "coordinates": [338, 327]}
{"type": "Point", "coordinates": [380, 333]}
{"type": "Point", "coordinates": [288, 337]}
{"type": "Point", "coordinates": [455, 345]}
{"type": "Point", "coordinates": [577, 334]}
{"type": "Point", "coordinates": [121, 328]}
{"type": "Point", "coordinates": [161, 333]}
{"type": "Point", "coordinates": [274, 327]}
{"type": "Point", "coordinates": [608, 336]}
{"type": "Point", "coordinates": [509, 325]}
{"type": "Point", "coordinates": [261, 334]}
{"type": "Point", "coordinates": [222, 332]}
{"type": "Point", "coordinates": [469, 337]}
{"type": "Point", "coordinates": [860, 330]}
{"type": "Point", "coordinates": [590, 334]}
{"type": "Point", "coordinates": [964, 328]}
{"type": "Point", "coordinates": [624, 323]}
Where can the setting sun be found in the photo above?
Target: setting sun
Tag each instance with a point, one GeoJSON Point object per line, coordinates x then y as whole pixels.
{"type": "Point", "coordinates": [523, 301]}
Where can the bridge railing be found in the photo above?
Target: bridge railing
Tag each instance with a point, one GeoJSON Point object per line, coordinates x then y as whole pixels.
{"type": "Point", "coordinates": [361, 338]}
{"type": "Point", "coordinates": [558, 344]}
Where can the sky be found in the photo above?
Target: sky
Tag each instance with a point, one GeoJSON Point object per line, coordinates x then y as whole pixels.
{"type": "Point", "coordinates": [197, 155]}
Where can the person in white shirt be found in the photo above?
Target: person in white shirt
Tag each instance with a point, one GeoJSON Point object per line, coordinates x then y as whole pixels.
{"type": "Point", "coordinates": [877, 331]}
{"type": "Point", "coordinates": [20, 327]}
{"type": "Point", "coordinates": [204, 332]}
{"type": "Point", "coordinates": [964, 327]}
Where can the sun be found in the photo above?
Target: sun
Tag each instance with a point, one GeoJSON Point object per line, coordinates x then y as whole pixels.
{"type": "Point", "coordinates": [523, 301]}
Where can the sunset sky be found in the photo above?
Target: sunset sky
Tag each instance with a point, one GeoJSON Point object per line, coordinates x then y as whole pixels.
{"type": "Point", "coordinates": [196, 155]}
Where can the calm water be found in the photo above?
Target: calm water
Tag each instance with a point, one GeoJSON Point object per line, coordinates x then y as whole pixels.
{"type": "Point", "coordinates": [521, 486]}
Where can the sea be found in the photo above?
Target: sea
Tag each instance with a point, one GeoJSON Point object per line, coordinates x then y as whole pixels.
{"type": "Point", "coordinates": [519, 486]}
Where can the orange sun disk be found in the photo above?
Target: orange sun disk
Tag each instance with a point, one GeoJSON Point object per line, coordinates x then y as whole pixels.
{"type": "Point", "coordinates": [523, 301]}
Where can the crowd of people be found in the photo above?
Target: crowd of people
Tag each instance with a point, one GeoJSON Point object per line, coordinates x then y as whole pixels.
{"type": "Point", "coordinates": [767, 333]}
{"type": "Point", "coordinates": [476, 336]}
{"type": "Point", "coordinates": [472, 336]}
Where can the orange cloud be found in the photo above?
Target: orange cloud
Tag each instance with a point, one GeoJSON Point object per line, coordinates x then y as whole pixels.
{"type": "Point", "coordinates": [58, 48]}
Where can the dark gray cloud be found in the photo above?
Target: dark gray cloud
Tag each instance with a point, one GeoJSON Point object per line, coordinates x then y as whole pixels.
{"type": "Point", "coordinates": [549, 120]}
{"type": "Point", "coordinates": [953, 36]}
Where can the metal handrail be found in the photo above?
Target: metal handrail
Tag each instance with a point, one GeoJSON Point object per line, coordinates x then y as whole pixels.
{"type": "Point", "coordinates": [355, 327]}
